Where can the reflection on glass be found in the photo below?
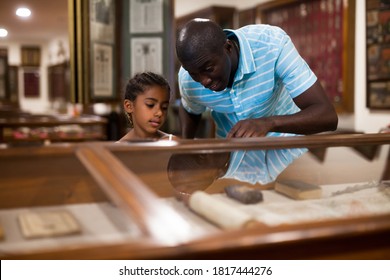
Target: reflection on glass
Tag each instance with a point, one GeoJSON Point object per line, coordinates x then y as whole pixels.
{"type": "Point", "coordinates": [197, 171]}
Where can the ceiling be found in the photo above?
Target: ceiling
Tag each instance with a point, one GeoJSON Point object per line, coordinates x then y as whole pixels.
{"type": "Point", "coordinates": [49, 19]}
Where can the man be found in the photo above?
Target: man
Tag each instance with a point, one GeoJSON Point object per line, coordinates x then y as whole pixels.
{"type": "Point", "coordinates": [255, 84]}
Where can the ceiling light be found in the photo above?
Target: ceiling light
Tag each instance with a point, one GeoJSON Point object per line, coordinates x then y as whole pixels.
{"type": "Point", "coordinates": [23, 12]}
{"type": "Point", "coordinates": [3, 32]}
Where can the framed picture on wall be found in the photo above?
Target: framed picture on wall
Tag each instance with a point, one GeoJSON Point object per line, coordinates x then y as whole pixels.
{"type": "Point", "coordinates": [102, 70]}
{"type": "Point", "coordinates": [378, 54]}
{"type": "Point", "coordinates": [146, 16]}
{"type": "Point", "coordinates": [59, 81]}
{"type": "Point", "coordinates": [102, 20]}
{"type": "Point", "coordinates": [3, 77]}
{"type": "Point", "coordinates": [98, 71]}
{"type": "Point", "coordinates": [31, 56]}
{"type": "Point", "coordinates": [102, 51]}
{"type": "Point", "coordinates": [13, 82]}
{"type": "Point", "coordinates": [31, 82]}
{"type": "Point", "coordinates": [379, 94]}
{"type": "Point", "coordinates": [146, 55]}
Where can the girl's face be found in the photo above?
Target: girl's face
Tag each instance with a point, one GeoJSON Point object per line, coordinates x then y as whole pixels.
{"type": "Point", "coordinates": [148, 111]}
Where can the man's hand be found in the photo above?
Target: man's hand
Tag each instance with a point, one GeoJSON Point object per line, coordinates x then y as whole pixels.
{"type": "Point", "coordinates": [250, 128]}
{"type": "Point", "coordinates": [317, 115]}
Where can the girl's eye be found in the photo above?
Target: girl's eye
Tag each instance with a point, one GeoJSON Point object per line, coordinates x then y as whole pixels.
{"type": "Point", "coordinates": [149, 105]}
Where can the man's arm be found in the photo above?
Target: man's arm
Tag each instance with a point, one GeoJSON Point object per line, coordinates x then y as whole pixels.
{"type": "Point", "coordinates": [189, 123]}
{"type": "Point", "coordinates": [317, 112]}
{"type": "Point", "coordinates": [317, 115]}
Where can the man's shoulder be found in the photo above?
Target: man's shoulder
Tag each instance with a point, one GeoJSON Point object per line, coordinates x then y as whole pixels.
{"type": "Point", "coordinates": [256, 29]}
{"type": "Point", "coordinates": [259, 34]}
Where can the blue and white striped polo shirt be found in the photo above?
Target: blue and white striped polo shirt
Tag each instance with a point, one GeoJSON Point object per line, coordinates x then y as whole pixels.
{"type": "Point", "coordinates": [270, 74]}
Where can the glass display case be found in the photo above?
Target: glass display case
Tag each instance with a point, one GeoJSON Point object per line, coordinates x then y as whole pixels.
{"type": "Point", "coordinates": [184, 200]}
{"type": "Point", "coordinates": [27, 128]}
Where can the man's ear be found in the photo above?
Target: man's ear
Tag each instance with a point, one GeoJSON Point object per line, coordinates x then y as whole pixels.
{"type": "Point", "coordinates": [128, 106]}
{"type": "Point", "coordinates": [229, 45]}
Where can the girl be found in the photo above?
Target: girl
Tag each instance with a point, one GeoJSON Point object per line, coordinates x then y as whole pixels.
{"type": "Point", "coordinates": [146, 106]}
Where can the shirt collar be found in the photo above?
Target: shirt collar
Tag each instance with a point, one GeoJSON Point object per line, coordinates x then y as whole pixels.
{"type": "Point", "coordinates": [246, 63]}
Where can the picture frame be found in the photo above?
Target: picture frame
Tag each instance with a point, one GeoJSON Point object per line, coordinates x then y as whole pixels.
{"type": "Point", "coordinates": [102, 20]}
{"type": "Point", "coordinates": [59, 81]}
{"type": "Point", "coordinates": [379, 94]}
{"type": "Point", "coordinates": [13, 83]}
{"type": "Point", "coordinates": [96, 23]}
{"type": "Point", "coordinates": [146, 16]}
{"type": "Point", "coordinates": [3, 77]}
{"type": "Point", "coordinates": [148, 38]}
{"type": "Point", "coordinates": [31, 82]}
{"type": "Point", "coordinates": [102, 73]}
{"type": "Point", "coordinates": [31, 56]}
{"type": "Point", "coordinates": [102, 50]}
{"type": "Point", "coordinates": [378, 54]}
{"type": "Point", "coordinates": [146, 55]}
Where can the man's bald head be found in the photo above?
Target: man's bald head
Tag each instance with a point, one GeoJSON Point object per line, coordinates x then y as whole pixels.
{"type": "Point", "coordinates": [198, 36]}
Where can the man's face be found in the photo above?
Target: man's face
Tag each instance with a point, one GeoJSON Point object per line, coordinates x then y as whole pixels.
{"type": "Point", "coordinates": [212, 70]}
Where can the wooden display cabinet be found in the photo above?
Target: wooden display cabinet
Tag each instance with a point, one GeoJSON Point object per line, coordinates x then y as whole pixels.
{"type": "Point", "coordinates": [246, 17]}
{"type": "Point", "coordinates": [59, 81]}
{"type": "Point", "coordinates": [24, 128]}
{"type": "Point", "coordinates": [121, 196]}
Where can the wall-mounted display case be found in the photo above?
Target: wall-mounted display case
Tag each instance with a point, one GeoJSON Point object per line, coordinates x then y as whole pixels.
{"type": "Point", "coordinates": [106, 200]}
{"type": "Point", "coordinates": [59, 81]}
{"type": "Point", "coordinates": [3, 73]}
{"type": "Point", "coordinates": [31, 56]}
{"type": "Point", "coordinates": [324, 34]}
{"type": "Point", "coordinates": [378, 54]}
